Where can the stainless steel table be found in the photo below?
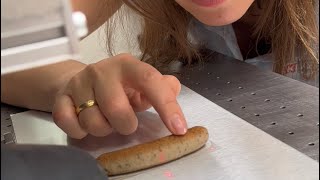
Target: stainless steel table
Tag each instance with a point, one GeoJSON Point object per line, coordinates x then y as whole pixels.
{"type": "Point", "coordinates": [283, 107]}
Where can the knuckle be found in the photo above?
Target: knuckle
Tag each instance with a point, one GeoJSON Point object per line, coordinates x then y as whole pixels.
{"type": "Point", "coordinates": [125, 60]}
{"type": "Point", "coordinates": [151, 74]}
{"type": "Point", "coordinates": [117, 107]}
{"type": "Point", "coordinates": [174, 79]}
{"type": "Point", "coordinates": [59, 116]}
{"type": "Point", "coordinates": [93, 70]}
{"type": "Point", "coordinates": [83, 78]}
{"type": "Point", "coordinates": [75, 81]}
{"type": "Point", "coordinates": [175, 84]}
{"type": "Point", "coordinates": [124, 56]}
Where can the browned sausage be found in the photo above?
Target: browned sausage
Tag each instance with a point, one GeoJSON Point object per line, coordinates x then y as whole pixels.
{"type": "Point", "coordinates": [153, 153]}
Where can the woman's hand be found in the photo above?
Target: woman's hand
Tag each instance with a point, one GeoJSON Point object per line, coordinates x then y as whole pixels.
{"type": "Point", "coordinates": [121, 86]}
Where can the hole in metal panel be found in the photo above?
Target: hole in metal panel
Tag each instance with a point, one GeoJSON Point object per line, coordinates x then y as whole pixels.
{"type": "Point", "coordinates": [311, 144]}
{"type": "Point", "coordinates": [243, 107]}
{"type": "Point", "coordinates": [299, 115]}
{"type": "Point", "coordinates": [253, 93]}
{"type": "Point", "coordinates": [273, 123]}
{"type": "Point", "coordinates": [229, 100]}
{"type": "Point", "coordinates": [218, 94]}
{"type": "Point", "coordinates": [266, 100]}
{"type": "Point", "coordinates": [282, 107]}
{"type": "Point", "coordinates": [257, 114]}
{"type": "Point", "coordinates": [9, 125]}
{"type": "Point", "coordinates": [291, 133]}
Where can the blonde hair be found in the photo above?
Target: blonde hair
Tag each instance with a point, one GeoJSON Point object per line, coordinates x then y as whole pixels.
{"type": "Point", "coordinates": [289, 25]}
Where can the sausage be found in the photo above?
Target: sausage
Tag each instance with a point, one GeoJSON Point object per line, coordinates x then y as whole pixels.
{"type": "Point", "coordinates": [153, 153]}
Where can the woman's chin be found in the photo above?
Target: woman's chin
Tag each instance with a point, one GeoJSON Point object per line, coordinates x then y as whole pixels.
{"type": "Point", "coordinates": [218, 19]}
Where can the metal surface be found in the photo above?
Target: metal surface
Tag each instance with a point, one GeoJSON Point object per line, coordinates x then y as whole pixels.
{"type": "Point", "coordinates": [284, 108]}
{"type": "Point", "coordinates": [235, 150]}
{"type": "Point", "coordinates": [7, 131]}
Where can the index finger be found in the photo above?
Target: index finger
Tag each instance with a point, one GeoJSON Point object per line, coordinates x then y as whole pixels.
{"type": "Point", "coordinates": [160, 94]}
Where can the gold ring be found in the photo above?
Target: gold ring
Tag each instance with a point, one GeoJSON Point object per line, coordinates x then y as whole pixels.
{"type": "Point", "coordinates": [85, 105]}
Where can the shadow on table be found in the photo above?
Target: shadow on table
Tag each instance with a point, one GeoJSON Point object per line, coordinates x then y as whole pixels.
{"type": "Point", "coordinates": [150, 128]}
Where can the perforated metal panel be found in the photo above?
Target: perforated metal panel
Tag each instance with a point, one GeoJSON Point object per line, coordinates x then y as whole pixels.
{"type": "Point", "coordinates": [283, 107]}
{"type": "Point", "coordinates": [7, 132]}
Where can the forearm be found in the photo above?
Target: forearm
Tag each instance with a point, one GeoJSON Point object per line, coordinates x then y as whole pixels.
{"type": "Point", "coordinates": [36, 88]}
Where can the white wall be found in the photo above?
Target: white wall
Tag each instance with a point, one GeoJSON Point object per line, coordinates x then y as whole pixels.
{"type": "Point", "coordinates": [93, 47]}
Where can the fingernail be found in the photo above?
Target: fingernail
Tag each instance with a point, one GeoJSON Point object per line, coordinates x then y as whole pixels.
{"type": "Point", "coordinates": [177, 125]}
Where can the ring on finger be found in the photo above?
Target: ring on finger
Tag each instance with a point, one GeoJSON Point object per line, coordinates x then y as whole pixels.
{"type": "Point", "coordinates": [85, 105]}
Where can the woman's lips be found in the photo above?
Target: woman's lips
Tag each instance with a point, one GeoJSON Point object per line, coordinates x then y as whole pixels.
{"type": "Point", "coordinates": [208, 3]}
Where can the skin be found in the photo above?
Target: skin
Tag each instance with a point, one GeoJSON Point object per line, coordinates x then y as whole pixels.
{"type": "Point", "coordinates": [225, 13]}
{"type": "Point", "coordinates": [121, 85]}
